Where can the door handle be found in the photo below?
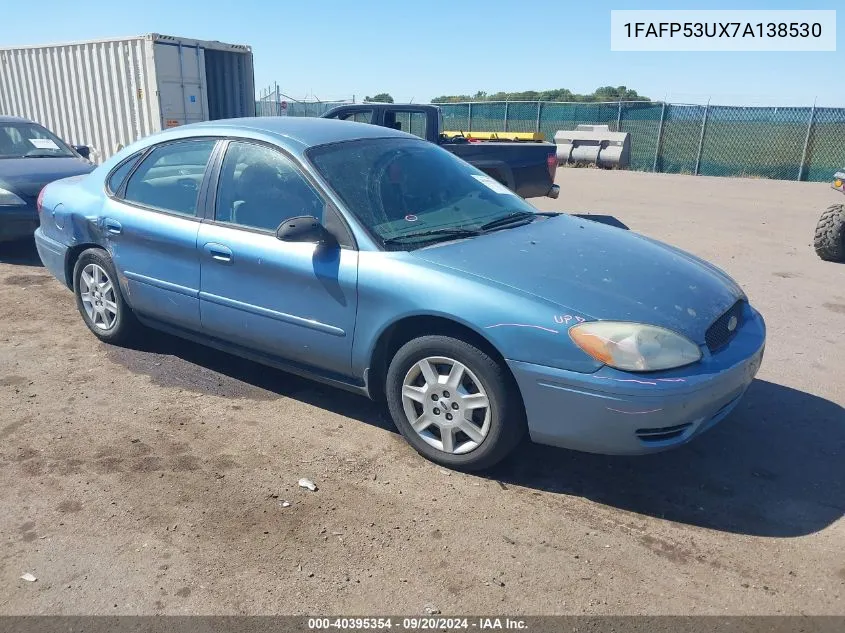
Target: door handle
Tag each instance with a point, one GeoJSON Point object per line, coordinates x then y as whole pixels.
{"type": "Point", "coordinates": [112, 226]}
{"type": "Point", "coordinates": [219, 253]}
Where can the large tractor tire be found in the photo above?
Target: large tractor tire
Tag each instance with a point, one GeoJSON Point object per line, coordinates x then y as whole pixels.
{"type": "Point", "coordinates": [830, 234]}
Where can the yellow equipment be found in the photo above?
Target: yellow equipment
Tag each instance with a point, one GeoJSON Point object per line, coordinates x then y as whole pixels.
{"type": "Point", "coordinates": [522, 137]}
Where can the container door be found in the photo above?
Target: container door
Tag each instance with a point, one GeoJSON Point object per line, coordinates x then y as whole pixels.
{"type": "Point", "coordinates": [229, 84]}
{"type": "Point", "coordinates": [181, 84]}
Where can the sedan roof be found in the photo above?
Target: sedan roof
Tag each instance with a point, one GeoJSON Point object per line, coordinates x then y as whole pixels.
{"type": "Point", "coordinates": [297, 133]}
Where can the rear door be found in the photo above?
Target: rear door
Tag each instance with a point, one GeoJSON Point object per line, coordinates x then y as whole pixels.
{"type": "Point", "coordinates": [150, 223]}
{"type": "Point", "coordinates": [291, 300]}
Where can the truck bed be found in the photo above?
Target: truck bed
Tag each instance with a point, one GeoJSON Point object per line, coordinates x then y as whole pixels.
{"type": "Point", "coordinates": [522, 167]}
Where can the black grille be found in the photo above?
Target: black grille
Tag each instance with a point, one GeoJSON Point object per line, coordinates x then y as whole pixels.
{"type": "Point", "coordinates": [661, 434]}
{"type": "Point", "coordinates": [719, 334]}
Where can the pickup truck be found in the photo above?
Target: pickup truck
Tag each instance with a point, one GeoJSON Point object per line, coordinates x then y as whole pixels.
{"type": "Point", "coordinates": [527, 168]}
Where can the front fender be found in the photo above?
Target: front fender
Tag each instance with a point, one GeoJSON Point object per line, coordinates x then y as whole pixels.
{"type": "Point", "coordinates": [520, 326]}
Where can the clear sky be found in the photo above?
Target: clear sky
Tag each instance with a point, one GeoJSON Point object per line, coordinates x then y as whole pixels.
{"type": "Point", "coordinates": [419, 49]}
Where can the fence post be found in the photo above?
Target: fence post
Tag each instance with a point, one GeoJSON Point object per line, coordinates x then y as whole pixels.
{"type": "Point", "coordinates": [537, 124]}
{"type": "Point", "coordinates": [807, 141]}
{"type": "Point", "coordinates": [469, 118]}
{"type": "Point", "coordinates": [701, 136]}
{"type": "Point", "coordinates": [506, 115]}
{"type": "Point", "coordinates": [619, 117]}
{"type": "Point", "coordinates": [659, 136]}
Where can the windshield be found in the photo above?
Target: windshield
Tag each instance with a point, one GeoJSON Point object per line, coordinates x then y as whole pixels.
{"type": "Point", "coordinates": [20, 139]}
{"type": "Point", "coordinates": [400, 187]}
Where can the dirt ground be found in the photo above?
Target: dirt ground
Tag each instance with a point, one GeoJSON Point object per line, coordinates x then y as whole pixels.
{"type": "Point", "coordinates": [141, 481]}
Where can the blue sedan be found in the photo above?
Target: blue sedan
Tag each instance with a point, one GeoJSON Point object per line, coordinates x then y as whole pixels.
{"type": "Point", "coordinates": [372, 260]}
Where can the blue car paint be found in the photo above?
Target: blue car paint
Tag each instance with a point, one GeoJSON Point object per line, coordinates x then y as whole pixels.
{"type": "Point", "coordinates": [605, 409]}
{"type": "Point", "coordinates": [322, 312]}
{"type": "Point", "coordinates": [308, 317]}
{"type": "Point", "coordinates": [614, 274]}
{"type": "Point", "coordinates": [157, 254]}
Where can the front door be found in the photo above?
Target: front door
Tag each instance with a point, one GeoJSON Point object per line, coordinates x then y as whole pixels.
{"type": "Point", "coordinates": [292, 300]}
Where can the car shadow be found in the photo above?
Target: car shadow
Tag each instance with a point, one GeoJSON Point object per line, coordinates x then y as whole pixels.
{"type": "Point", "coordinates": [173, 362]}
{"type": "Point", "coordinates": [603, 219]}
{"type": "Point", "coordinates": [775, 467]}
{"type": "Point", "coordinates": [19, 253]}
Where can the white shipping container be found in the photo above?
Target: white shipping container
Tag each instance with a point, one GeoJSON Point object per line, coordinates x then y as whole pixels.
{"type": "Point", "coordinates": [109, 93]}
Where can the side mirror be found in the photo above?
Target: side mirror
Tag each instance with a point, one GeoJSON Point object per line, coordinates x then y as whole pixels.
{"type": "Point", "coordinates": [83, 150]}
{"type": "Point", "coordinates": [305, 228]}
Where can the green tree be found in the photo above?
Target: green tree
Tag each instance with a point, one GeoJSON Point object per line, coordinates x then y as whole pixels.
{"type": "Point", "coordinates": [604, 93]}
{"type": "Point", "coordinates": [451, 99]}
{"type": "Point", "coordinates": [381, 97]}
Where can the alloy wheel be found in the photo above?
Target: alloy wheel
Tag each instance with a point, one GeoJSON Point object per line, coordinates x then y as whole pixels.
{"type": "Point", "coordinates": [446, 404]}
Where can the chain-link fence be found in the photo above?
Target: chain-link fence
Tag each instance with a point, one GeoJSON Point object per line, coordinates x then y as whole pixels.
{"type": "Point", "coordinates": [272, 101]}
{"type": "Point", "coordinates": [268, 107]}
{"type": "Point", "coordinates": [764, 142]}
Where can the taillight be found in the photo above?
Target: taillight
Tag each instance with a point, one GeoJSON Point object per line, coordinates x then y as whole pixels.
{"type": "Point", "coordinates": [551, 161]}
{"type": "Point", "coordinates": [39, 202]}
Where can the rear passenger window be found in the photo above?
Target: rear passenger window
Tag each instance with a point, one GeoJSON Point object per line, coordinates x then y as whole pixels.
{"type": "Point", "coordinates": [359, 116]}
{"type": "Point", "coordinates": [406, 121]}
{"type": "Point", "coordinates": [119, 175]}
{"type": "Point", "coordinates": [170, 176]}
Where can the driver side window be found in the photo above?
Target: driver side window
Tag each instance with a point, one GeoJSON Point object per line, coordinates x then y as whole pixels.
{"type": "Point", "coordinates": [259, 188]}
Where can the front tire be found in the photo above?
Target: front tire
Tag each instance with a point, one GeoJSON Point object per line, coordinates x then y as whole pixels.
{"type": "Point", "coordinates": [99, 299]}
{"type": "Point", "coordinates": [454, 403]}
{"type": "Point", "coordinates": [829, 240]}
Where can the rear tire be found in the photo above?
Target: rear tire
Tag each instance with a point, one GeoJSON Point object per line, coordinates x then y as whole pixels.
{"type": "Point", "coordinates": [829, 240]}
{"type": "Point", "coordinates": [99, 299]}
{"type": "Point", "coordinates": [454, 403]}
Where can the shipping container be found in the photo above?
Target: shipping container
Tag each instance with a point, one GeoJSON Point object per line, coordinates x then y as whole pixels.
{"type": "Point", "coordinates": [109, 93]}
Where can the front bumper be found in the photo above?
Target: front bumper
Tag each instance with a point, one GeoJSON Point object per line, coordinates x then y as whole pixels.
{"type": "Point", "coordinates": [17, 223]}
{"type": "Point", "coordinates": [620, 413]}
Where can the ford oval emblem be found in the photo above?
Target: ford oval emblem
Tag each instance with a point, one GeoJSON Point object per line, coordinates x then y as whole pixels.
{"type": "Point", "coordinates": [732, 322]}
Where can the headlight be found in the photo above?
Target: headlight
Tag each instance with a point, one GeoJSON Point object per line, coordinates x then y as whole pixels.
{"type": "Point", "coordinates": [8, 199]}
{"type": "Point", "coordinates": [634, 346]}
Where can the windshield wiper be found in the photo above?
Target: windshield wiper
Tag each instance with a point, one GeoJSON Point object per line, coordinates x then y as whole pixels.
{"type": "Point", "coordinates": [515, 218]}
{"type": "Point", "coordinates": [434, 233]}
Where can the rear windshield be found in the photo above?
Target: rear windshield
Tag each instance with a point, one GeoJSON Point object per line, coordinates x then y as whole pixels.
{"type": "Point", "coordinates": [20, 139]}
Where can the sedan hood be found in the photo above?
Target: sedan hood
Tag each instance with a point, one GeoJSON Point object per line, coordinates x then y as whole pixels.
{"type": "Point", "coordinates": [597, 271]}
{"type": "Point", "coordinates": [26, 176]}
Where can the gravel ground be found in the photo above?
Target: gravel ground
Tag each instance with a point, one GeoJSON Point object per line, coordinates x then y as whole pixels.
{"type": "Point", "coordinates": [152, 480]}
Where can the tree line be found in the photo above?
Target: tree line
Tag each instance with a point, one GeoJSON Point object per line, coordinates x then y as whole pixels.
{"type": "Point", "coordinates": [605, 93]}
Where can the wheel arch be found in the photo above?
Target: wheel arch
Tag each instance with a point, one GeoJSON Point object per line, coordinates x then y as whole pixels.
{"type": "Point", "coordinates": [409, 327]}
{"type": "Point", "coordinates": [72, 256]}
